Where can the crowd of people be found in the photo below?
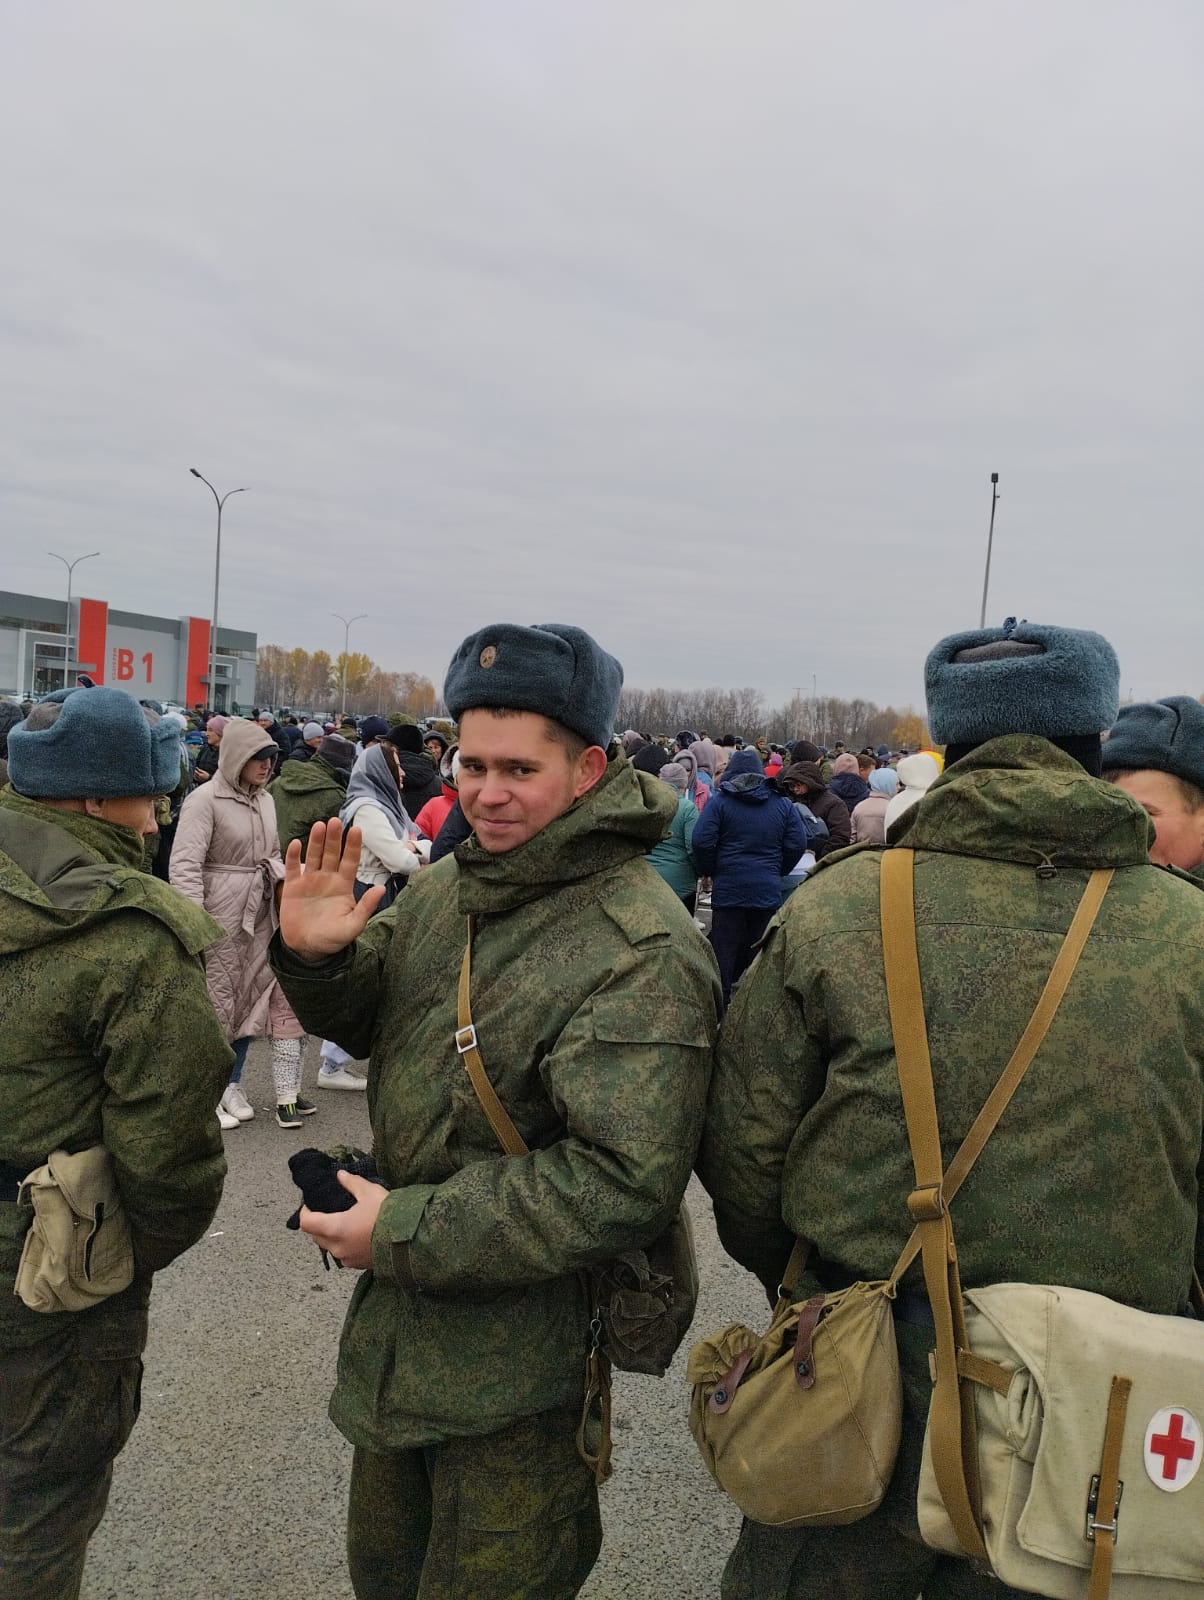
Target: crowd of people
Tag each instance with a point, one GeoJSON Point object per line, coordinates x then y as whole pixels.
{"type": "Point", "coordinates": [505, 917]}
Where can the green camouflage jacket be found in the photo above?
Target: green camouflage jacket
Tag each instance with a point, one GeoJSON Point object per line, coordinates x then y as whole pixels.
{"type": "Point", "coordinates": [106, 1034]}
{"type": "Point", "coordinates": [305, 792]}
{"type": "Point", "coordinates": [1094, 1176]}
{"type": "Point", "coordinates": [596, 1004]}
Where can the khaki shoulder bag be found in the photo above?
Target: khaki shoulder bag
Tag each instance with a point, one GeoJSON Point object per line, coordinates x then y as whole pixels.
{"type": "Point", "coordinates": [78, 1249]}
{"type": "Point", "coordinates": [1066, 1431]}
{"type": "Point", "coordinates": [643, 1301]}
{"type": "Point", "coordinates": [822, 1384]}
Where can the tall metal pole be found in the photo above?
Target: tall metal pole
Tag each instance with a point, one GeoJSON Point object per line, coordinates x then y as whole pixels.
{"type": "Point", "coordinates": [70, 566]}
{"type": "Point", "coordinates": [346, 621]}
{"type": "Point", "coordinates": [982, 619]}
{"type": "Point", "coordinates": [217, 578]}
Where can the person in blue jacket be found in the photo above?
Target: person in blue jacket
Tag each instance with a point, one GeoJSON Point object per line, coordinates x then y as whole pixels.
{"type": "Point", "coordinates": [746, 840]}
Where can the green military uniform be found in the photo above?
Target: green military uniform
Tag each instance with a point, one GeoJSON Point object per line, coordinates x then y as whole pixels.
{"type": "Point", "coordinates": [461, 1367]}
{"type": "Point", "coordinates": [1095, 1176]}
{"type": "Point", "coordinates": [108, 1037]}
{"type": "Point", "coordinates": [306, 792]}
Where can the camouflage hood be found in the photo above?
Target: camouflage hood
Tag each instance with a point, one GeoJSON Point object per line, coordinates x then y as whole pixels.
{"type": "Point", "coordinates": [1022, 799]}
{"type": "Point", "coordinates": [309, 777]}
{"type": "Point", "coordinates": [624, 815]}
{"type": "Point", "coordinates": [60, 870]}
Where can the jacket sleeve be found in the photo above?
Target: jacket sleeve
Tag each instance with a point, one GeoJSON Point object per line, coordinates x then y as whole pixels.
{"type": "Point", "coordinates": [194, 833]}
{"type": "Point", "coordinates": [769, 1071]}
{"type": "Point", "coordinates": [628, 1078]}
{"type": "Point", "coordinates": [794, 838]}
{"type": "Point", "coordinates": [456, 828]}
{"type": "Point", "coordinates": [393, 853]}
{"type": "Point", "coordinates": [689, 824]}
{"type": "Point", "coordinates": [704, 846]}
{"type": "Point", "coordinates": [840, 830]}
{"type": "Point", "coordinates": [337, 999]}
{"type": "Point", "coordinates": [165, 1062]}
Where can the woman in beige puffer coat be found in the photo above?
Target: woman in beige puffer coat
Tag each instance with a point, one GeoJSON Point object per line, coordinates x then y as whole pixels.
{"type": "Point", "coordinates": [226, 858]}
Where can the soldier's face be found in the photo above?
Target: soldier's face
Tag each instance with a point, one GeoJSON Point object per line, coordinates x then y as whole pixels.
{"type": "Point", "coordinates": [1178, 830]}
{"type": "Point", "coordinates": [514, 779]}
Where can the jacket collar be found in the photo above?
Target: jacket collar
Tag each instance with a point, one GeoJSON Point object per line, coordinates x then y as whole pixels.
{"type": "Point", "coordinates": [1022, 799]}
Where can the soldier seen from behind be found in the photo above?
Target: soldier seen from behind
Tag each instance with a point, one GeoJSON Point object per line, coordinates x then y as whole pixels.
{"type": "Point", "coordinates": [94, 954]}
{"type": "Point", "coordinates": [1092, 1178]}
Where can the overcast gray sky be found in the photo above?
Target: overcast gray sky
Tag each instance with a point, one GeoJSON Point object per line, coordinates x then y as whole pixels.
{"type": "Point", "coordinates": [700, 324]}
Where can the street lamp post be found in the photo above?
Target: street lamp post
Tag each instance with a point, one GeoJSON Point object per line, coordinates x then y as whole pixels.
{"type": "Point", "coordinates": [70, 566]}
{"type": "Point", "coordinates": [982, 620]}
{"type": "Point", "coordinates": [217, 576]}
{"type": "Point", "coordinates": [346, 621]}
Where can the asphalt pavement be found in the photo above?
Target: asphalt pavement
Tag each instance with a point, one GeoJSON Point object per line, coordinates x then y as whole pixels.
{"type": "Point", "coordinates": [234, 1483]}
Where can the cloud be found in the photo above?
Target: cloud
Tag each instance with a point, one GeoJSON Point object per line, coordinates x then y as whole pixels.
{"type": "Point", "coordinates": [700, 326]}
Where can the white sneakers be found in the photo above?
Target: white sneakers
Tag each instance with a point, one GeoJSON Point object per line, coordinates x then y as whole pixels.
{"type": "Point", "coordinates": [234, 1104]}
{"type": "Point", "coordinates": [340, 1079]}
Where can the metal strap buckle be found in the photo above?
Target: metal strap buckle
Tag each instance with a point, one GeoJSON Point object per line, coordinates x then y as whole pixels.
{"type": "Point", "coordinates": [466, 1039]}
{"type": "Point", "coordinates": [1093, 1525]}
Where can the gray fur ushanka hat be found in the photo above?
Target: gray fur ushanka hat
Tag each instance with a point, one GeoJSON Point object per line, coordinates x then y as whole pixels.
{"type": "Point", "coordinates": [100, 747]}
{"type": "Point", "coordinates": [1026, 677]}
{"type": "Point", "coordinates": [551, 668]}
{"type": "Point", "coordinates": [1159, 736]}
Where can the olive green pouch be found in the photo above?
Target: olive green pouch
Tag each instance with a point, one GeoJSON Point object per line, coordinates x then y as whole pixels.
{"type": "Point", "coordinates": [78, 1250]}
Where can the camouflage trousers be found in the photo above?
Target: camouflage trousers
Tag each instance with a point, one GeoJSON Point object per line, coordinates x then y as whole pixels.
{"type": "Point", "coordinates": [882, 1557]}
{"type": "Point", "coordinates": [69, 1403]}
{"type": "Point", "coordinates": [512, 1515]}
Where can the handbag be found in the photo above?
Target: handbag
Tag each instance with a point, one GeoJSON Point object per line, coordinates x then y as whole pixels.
{"type": "Point", "coordinates": [822, 1384]}
{"type": "Point", "coordinates": [643, 1300]}
{"type": "Point", "coordinates": [78, 1250]}
{"type": "Point", "coordinates": [1066, 1431]}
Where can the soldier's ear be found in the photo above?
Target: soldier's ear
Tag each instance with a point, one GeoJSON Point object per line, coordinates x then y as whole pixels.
{"type": "Point", "coordinates": [591, 764]}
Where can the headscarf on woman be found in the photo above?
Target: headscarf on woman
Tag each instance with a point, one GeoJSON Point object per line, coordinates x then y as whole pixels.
{"type": "Point", "coordinates": [373, 783]}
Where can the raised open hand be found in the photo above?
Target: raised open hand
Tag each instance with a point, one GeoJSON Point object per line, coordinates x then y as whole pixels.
{"type": "Point", "coordinates": [319, 914]}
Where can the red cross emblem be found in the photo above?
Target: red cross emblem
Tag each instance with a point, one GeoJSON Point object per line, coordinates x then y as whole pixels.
{"type": "Point", "coordinates": [1174, 1444]}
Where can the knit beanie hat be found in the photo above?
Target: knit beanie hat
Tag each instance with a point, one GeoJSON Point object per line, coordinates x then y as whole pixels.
{"type": "Point", "coordinates": [1026, 677]}
{"type": "Point", "coordinates": [1159, 736]}
{"type": "Point", "coordinates": [373, 728]}
{"type": "Point", "coordinates": [312, 730]}
{"type": "Point", "coordinates": [844, 763]}
{"type": "Point", "coordinates": [216, 723]}
{"type": "Point", "coordinates": [674, 774]}
{"type": "Point", "coordinates": [406, 736]}
{"type": "Point", "coordinates": [884, 780]}
{"type": "Point", "coordinates": [918, 773]}
{"type": "Point", "coordinates": [804, 750]}
{"type": "Point", "coordinates": [265, 716]}
{"type": "Point", "coordinates": [101, 747]}
{"type": "Point", "coordinates": [337, 752]}
{"type": "Point", "coordinates": [552, 669]}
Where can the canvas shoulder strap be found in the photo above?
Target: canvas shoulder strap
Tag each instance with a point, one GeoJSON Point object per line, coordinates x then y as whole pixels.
{"type": "Point", "coordinates": [507, 1134]}
{"type": "Point", "coordinates": [952, 1423]}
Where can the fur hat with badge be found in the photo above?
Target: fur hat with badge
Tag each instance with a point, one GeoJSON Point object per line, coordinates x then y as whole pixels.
{"type": "Point", "coordinates": [551, 669]}
{"type": "Point", "coordinates": [100, 746]}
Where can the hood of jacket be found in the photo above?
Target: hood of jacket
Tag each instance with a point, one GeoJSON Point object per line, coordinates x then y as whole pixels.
{"type": "Point", "coordinates": [240, 741]}
{"type": "Point", "coordinates": [308, 777]}
{"type": "Point", "coordinates": [744, 777]}
{"type": "Point", "coordinates": [622, 816]}
{"type": "Point", "coordinates": [60, 870]}
{"type": "Point", "coordinates": [1022, 799]}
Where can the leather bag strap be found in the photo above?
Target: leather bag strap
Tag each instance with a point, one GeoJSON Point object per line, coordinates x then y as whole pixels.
{"type": "Point", "coordinates": [952, 1423]}
{"type": "Point", "coordinates": [506, 1133]}
{"type": "Point", "coordinates": [1102, 1522]}
{"type": "Point", "coordinates": [1030, 1042]}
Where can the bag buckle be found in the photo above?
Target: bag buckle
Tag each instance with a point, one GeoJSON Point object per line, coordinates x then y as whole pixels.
{"type": "Point", "coordinates": [466, 1039]}
{"type": "Point", "coordinates": [1094, 1526]}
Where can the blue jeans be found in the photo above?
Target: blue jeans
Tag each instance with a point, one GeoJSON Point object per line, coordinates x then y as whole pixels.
{"type": "Point", "coordinates": [241, 1046]}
